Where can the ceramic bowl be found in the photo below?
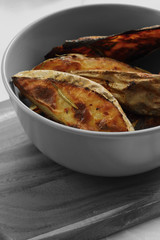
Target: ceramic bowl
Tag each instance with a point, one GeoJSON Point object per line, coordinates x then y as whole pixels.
{"type": "Point", "coordinates": [96, 153]}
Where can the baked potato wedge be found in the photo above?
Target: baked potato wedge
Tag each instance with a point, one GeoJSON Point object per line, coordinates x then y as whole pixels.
{"type": "Point", "coordinates": [126, 46]}
{"type": "Point", "coordinates": [73, 100]}
{"type": "Point", "coordinates": [74, 62]}
{"type": "Point", "coordinates": [140, 122]}
{"type": "Point", "coordinates": [136, 92]}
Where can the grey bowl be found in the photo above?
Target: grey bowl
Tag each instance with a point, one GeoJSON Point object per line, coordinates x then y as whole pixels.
{"type": "Point", "coordinates": [103, 154]}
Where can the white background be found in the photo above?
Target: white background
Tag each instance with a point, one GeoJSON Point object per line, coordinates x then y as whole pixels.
{"type": "Point", "coordinates": [14, 16]}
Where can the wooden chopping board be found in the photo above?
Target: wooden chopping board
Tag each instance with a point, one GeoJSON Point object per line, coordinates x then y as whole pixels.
{"type": "Point", "coordinates": [40, 199]}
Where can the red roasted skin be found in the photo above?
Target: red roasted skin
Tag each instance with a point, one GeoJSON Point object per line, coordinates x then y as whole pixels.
{"type": "Point", "coordinates": [126, 46]}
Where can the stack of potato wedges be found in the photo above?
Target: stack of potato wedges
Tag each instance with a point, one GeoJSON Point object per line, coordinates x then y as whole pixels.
{"type": "Point", "coordinates": [89, 83]}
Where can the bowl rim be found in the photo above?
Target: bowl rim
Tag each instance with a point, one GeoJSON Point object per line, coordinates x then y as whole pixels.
{"type": "Point", "coordinates": [53, 123]}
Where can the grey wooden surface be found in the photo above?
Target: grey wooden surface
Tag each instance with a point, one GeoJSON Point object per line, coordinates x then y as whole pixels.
{"type": "Point", "coordinates": [40, 199]}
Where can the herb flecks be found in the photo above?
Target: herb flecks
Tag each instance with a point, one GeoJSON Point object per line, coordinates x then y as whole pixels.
{"type": "Point", "coordinates": [64, 97]}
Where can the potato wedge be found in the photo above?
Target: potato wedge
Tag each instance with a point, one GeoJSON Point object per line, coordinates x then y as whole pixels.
{"type": "Point", "coordinates": [73, 62]}
{"type": "Point", "coordinates": [73, 100]}
{"type": "Point", "coordinates": [126, 46]}
{"type": "Point", "coordinates": [137, 92]}
{"type": "Point", "coordinates": [141, 122]}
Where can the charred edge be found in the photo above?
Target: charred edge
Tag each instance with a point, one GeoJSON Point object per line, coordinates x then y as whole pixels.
{"type": "Point", "coordinates": [145, 29]}
{"type": "Point", "coordinates": [82, 113]}
{"type": "Point", "coordinates": [87, 41]}
{"type": "Point", "coordinates": [81, 42]}
{"type": "Point", "coordinates": [77, 43]}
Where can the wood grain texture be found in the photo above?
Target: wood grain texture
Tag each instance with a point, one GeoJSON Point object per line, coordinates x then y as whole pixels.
{"type": "Point", "coordinates": [40, 199]}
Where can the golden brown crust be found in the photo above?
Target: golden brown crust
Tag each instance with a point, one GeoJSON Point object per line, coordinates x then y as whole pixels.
{"type": "Point", "coordinates": [74, 62]}
{"type": "Point", "coordinates": [138, 92]}
{"type": "Point", "coordinates": [73, 100]}
{"type": "Point", "coordinates": [126, 46]}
